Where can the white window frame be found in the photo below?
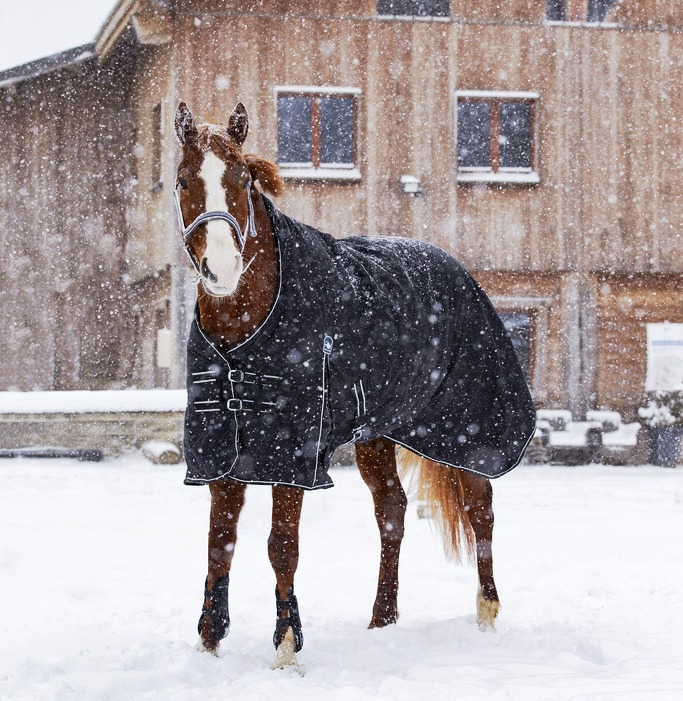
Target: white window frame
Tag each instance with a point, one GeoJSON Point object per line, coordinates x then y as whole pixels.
{"type": "Point", "coordinates": [511, 176]}
{"type": "Point", "coordinates": [349, 172]}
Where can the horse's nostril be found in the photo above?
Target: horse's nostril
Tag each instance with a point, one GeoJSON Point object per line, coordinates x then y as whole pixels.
{"type": "Point", "coordinates": [206, 272]}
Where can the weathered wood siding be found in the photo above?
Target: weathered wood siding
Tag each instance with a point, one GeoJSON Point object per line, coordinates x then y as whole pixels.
{"type": "Point", "coordinates": [602, 226]}
{"type": "Point", "coordinates": [607, 137]}
{"type": "Point", "coordinates": [64, 167]}
{"type": "Point", "coordinates": [647, 13]}
{"type": "Point", "coordinates": [626, 303]}
{"type": "Point", "coordinates": [608, 144]}
{"type": "Point", "coordinates": [79, 310]}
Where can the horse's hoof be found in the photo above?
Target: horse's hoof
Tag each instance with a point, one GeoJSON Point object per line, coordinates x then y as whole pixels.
{"type": "Point", "coordinates": [386, 618]}
{"type": "Point", "coordinates": [207, 646]}
{"type": "Point", "coordinates": [285, 654]}
{"type": "Point", "coordinates": [382, 622]}
{"type": "Point", "coordinates": [487, 610]}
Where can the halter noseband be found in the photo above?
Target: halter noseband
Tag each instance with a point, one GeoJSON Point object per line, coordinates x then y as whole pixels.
{"type": "Point", "coordinates": [187, 231]}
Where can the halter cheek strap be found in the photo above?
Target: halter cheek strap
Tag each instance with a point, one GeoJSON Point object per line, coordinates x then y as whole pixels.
{"type": "Point", "coordinates": [241, 235]}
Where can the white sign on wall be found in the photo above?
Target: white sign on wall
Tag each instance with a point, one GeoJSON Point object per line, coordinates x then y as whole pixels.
{"type": "Point", "coordinates": [664, 357]}
{"type": "Point", "coordinates": [164, 348]}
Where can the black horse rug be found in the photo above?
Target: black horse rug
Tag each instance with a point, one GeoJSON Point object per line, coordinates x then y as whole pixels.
{"type": "Point", "coordinates": [368, 337]}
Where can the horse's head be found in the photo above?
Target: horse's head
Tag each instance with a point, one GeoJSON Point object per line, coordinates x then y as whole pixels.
{"type": "Point", "coordinates": [213, 193]}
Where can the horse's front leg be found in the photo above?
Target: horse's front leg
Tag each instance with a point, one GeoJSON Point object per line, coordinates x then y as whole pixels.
{"type": "Point", "coordinates": [377, 464]}
{"type": "Point", "coordinates": [227, 500]}
{"type": "Point", "coordinates": [283, 551]}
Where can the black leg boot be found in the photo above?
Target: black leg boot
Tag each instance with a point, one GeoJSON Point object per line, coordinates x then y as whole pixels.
{"type": "Point", "coordinates": [291, 605]}
{"type": "Point", "coordinates": [214, 623]}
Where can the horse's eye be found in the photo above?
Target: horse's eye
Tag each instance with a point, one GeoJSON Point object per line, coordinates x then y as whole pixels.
{"type": "Point", "coordinates": [183, 183]}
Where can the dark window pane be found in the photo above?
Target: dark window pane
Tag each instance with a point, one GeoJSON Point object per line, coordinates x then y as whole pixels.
{"type": "Point", "coordinates": [556, 10]}
{"type": "Point", "coordinates": [294, 129]}
{"type": "Point", "coordinates": [336, 130]}
{"type": "Point", "coordinates": [419, 8]}
{"type": "Point", "coordinates": [518, 327]}
{"type": "Point", "coordinates": [474, 129]}
{"type": "Point", "coordinates": [515, 135]}
{"type": "Point", "coordinates": [597, 9]}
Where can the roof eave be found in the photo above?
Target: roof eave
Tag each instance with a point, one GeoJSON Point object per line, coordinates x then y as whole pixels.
{"type": "Point", "coordinates": [48, 64]}
{"type": "Point", "coordinates": [114, 27]}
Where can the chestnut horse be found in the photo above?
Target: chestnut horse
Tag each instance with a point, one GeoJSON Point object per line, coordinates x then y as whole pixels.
{"type": "Point", "coordinates": [234, 252]}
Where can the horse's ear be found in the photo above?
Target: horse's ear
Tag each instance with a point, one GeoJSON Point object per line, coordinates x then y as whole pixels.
{"type": "Point", "coordinates": [265, 173]}
{"type": "Point", "coordinates": [238, 124]}
{"type": "Point", "coordinates": [185, 127]}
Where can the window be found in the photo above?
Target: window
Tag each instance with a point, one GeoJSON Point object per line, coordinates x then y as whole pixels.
{"type": "Point", "coordinates": [496, 137]}
{"type": "Point", "coordinates": [598, 9]}
{"type": "Point", "coordinates": [414, 8]}
{"type": "Point", "coordinates": [519, 328]}
{"type": "Point", "coordinates": [577, 10]}
{"type": "Point", "coordinates": [317, 132]}
{"type": "Point", "coordinates": [556, 10]}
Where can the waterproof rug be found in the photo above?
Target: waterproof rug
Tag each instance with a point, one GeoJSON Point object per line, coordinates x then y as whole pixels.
{"type": "Point", "coordinates": [368, 337]}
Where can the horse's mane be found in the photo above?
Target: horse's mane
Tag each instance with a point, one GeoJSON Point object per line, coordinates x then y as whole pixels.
{"type": "Point", "coordinates": [262, 171]}
{"type": "Point", "coordinates": [266, 173]}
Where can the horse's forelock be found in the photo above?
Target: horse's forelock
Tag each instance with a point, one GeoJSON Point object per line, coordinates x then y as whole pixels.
{"type": "Point", "coordinates": [213, 137]}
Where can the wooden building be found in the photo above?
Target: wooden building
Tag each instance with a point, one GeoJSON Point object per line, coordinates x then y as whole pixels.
{"type": "Point", "coordinates": [544, 136]}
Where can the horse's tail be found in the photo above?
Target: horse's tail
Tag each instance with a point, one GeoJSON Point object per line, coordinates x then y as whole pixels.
{"type": "Point", "coordinates": [440, 491]}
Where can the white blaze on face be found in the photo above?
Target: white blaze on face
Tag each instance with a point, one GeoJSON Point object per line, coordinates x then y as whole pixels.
{"type": "Point", "coordinates": [222, 255]}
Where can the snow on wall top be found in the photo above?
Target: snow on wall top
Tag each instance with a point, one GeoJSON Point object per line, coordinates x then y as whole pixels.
{"type": "Point", "coordinates": [87, 401]}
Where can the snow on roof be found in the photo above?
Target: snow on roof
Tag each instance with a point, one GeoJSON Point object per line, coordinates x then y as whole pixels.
{"type": "Point", "coordinates": [46, 65]}
{"type": "Point", "coordinates": [35, 29]}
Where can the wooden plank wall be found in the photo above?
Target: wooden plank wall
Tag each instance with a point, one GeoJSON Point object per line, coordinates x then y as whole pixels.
{"type": "Point", "coordinates": [608, 137]}
{"type": "Point", "coordinates": [626, 303]}
{"type": "Point", "coordinates": [63, 178]}
{"type": "Point", "coordinates": [647, 13]}
{"type": "Point", "coordinates": [608, 206]}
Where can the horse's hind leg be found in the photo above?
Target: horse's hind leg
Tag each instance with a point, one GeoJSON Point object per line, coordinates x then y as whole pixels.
{"type": "Point", "coordinates": [478, 498]}
{"type": "Point", "coordinates": [283, 551]}
{"type": "Point", "coordinates": [377, 464]}
{"type": "Point", "coordinates": [227, 500]}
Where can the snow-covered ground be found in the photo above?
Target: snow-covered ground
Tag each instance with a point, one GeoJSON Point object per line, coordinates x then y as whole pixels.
{"type": "Point", "coordinates": [102, 569]}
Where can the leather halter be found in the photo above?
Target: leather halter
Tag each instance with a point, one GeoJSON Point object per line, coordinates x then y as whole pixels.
{"type": "Point", "coordinates": [205, 217]}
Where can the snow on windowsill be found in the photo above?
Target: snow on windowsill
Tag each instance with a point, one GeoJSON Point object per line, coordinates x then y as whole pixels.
{"type": "Point", "coordinates": [318, 89]}
{"type": "Point", "coordinates": [93, 401]}
{"type": "Point", "coordinates": [510, 178]}
{"type": "Point", "coordinates": [349, 175]}
{"type": "Point", "coordinates": [415, 18]}
{"type": "Point", "coordinates": [581, 23]}
{"type": "Point", "coordinates": [498, 94]}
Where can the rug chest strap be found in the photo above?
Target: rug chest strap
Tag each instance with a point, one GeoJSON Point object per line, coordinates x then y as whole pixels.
{"type": "Point", "coordinates": [256, 383]}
